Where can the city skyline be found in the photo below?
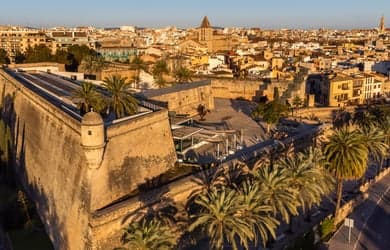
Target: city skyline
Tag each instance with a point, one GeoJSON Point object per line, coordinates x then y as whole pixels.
{"type": "Point", "coordinates": [303, 14]}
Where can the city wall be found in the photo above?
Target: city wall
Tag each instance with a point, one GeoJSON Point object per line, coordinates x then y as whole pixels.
{"type": "Point", "coordinates": [232, 89]}
{"type": "Point", "coordinates": [43, 66]}
{"type": "Point", "coordinates": [323, 113]}
{"type": "Point", "coordinates": [186, 101]}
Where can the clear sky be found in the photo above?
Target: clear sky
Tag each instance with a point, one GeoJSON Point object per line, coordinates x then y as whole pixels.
{"type": "Point", "coordinates": [188, 13]}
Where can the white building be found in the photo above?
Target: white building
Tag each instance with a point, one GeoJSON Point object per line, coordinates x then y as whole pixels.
{"type": "Point", "coordinates": [372, 88]}
{"type": "Point", "coordinates": [127, 28]}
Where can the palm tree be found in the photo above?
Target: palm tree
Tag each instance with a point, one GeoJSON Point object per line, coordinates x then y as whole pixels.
{"type": "Point", "coordinates": [86, 97]}
{"type": "Point", "coordinates": [257, 211]}
{"type": "Point", "coordinates": [159, 69]}
{"type": "Point", "coordinates": [375, 143]}
{"type": "Point", "coordinates": [92, 63]}
{"type": "Point", "coordinates": [347, 154]}
{"type": "Point", "coordinates": [148, 235]}
{"type": "Point", "coordinates": [138, 64]}
{"type": "Point", "coordinates": [120, 99]}
{"type": "Point", "coordinates": [342, 119]}
{"type": "Point", "coordinates": [316, 158]}
{"type": "Point", "coordinates": [221, 218]}
{"type": "Point", "coordinates": [277, 192]}
{"type": "Point", "coordinates": [385, 127]}
{"type": "Point", "coordinates": [305, 178]}
{"type": "Point", "coordinates": [182, 74]}
{"type": "Point", "coordinates": [363, 119]}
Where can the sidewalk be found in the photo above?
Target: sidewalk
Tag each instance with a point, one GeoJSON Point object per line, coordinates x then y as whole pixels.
{"type": "Point", "coordinates": [360, 216]}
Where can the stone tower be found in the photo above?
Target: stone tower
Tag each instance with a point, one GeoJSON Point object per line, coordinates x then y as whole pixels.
{"type": "Point", "coordinates": [93, 139]}
{"type": "Point", "coordinates": [205, 33]}
{"type": "Point", "coordinates": [382, 25]}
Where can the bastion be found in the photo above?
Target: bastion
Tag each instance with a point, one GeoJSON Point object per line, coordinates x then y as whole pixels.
{"type": "Point", "coordinates": [73, 167]}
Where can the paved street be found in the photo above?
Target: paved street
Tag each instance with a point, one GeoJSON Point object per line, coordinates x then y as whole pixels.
{"type": "Point", "coordinates": [371, 222]}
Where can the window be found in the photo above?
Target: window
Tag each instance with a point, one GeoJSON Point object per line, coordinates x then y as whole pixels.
{"type": "Point", "coordinates": [345, 86]}
{"type": "Point", "coordinates": [89, 132]}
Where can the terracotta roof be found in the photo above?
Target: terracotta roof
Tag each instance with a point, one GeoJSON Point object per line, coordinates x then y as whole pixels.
{"type": "Point", "coordinates": [62, 34]}
{"type": "Point", "coordinates": [205, 23]}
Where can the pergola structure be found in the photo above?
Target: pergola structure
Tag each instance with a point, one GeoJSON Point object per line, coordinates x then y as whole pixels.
{"type": "Point", "coordinates": [184, 137]}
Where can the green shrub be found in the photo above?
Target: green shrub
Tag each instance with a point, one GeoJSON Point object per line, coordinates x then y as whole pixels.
{"type": "Point", "coordinates": [327, 228]}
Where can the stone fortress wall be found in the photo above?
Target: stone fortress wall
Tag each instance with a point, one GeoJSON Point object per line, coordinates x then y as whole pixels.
{"type": "Point", "coordinates": [185, 98]}
{"type": "Point", "coordinates": [49, 162]}
{"type": "Point", "coordinates": [52, 164]}
{"type": "Point", "coordinates": [233, 88]}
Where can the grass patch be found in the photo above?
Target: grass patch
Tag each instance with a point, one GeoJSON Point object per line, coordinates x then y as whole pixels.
{"type": "Point", "coordinates": [27, 239]}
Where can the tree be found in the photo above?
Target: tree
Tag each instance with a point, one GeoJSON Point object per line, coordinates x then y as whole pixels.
{"type": "Point", "coordinates": [308, 177]}
{"type": "Point", "coordinates": [277, 192]}
{"type": "Point", "coordinates": [92, 63]}
{"type": "Point", "coordinates": [159, 69]}
{"type": "Point", "coordinates": [342, 119]}
{"type": "Point", "coordinates": [148, 235]}
{"type": "Point", "coordinates": [86, 97]}
{"type": "Point", "coordinates": [271, 112]}
{"type": "Point", "coordinates": [257, 211]}
{"type": "Point", "coordinates": [385, 127]}
{"type": "Point", "coordinates": [374, 139]}
{"type": "Point", "coordinates": [304, 177]}
{"type": "Point", "coordinates": [19, 57]}
{"type": "Point", "coordinates": [61, 56]}
{"type": "Point", "coordinates": [182, 74]}
{"type": "Point", "coordinates": [363, 119]}
{"type": "Point", "coordinates": [76, 55]}
{"type": "Point", "coordinates": [138, 64]}
{"type": "Point", "coordinates": [221, 218]}
{"type": "Point", "coordinates": [202, 111]}
{"type": "Point", "coordinates": [4, 59]}
{"type": "Point", "coordinates": [297, 102]}
{"type": "Point", "coordinates": [120, 99]}
{"type": "Point", "coordinates": [39, 53]}
{"type": "Point", "coordinates": [347, 154]}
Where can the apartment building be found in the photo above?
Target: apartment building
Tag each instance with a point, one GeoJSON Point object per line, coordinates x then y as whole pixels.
{"type": "Point", "coordinates": [64, 39]}
{"type": "Point", "coordinates": [340, 89]}
{"type": "Point", "coordinates": [15, 40]}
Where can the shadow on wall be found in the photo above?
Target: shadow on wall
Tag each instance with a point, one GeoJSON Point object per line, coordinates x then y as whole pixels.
{"type": "Point", "coordinates": [244, 106]}
{"type": "Point", "coordinates": [7, 133]}
{"type": "Point", "coordinates": [15, 148]}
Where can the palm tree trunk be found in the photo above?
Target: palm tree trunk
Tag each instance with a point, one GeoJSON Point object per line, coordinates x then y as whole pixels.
{"type": "Point", "coordinates": [380, 164]}
{"type": "Point", "coordinates": [291, 226]}
{"type": "Point", "coordinates": [339, 193]}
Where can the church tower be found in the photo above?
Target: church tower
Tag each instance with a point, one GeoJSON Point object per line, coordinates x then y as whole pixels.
{"type": "Point", "coordinates": [382, 25]}
{"type": "Point", "coordinates": [205, 33]}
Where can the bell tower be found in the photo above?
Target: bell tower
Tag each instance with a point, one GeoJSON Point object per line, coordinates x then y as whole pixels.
{"type": "Point", "coordinates": [382, 24]}
{"type": "Point", "coordinates": [205, 33]}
